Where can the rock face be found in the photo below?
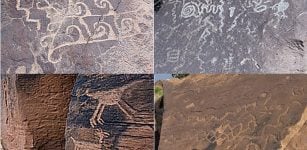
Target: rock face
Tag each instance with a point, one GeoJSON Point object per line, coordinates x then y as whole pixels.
{"type": "Point", "coordinates": [77, 36]}
{"type": "Point", "coordinates": [216, 36]}
{"type": "Point", "coordinates": [111, 112]}
{"type": "Point", "coordinates": [254, 112]}
{"type": "Point", "coordinates": [77, 112]}
{"type": "Point", "coordinates": [34, 110]}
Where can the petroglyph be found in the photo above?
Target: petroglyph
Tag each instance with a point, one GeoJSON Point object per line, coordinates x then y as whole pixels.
{"type": "Point", "coordinates": [60, 27]}
{"type": "Point", "coordinates": [280, 9]}
{"type": "Point", "coordinates": [110, 98]}
{"type": "Point", "coordinates": [232, 10]}
{"type": "Point", "coordinates": [259, 6]}
{"type": "Point", "coordinates": [173, 56]}
{"type": "Point", "coordinates": [229, 30]}
{"type": "Point", "coordinates": [81, 25]}
{"type": "Point", "coordinates": [111, 111]}
{"type": "Point", "coordinates": [199, 9]}
{"type": "Point", "coordinates": [259, 112]}
{"type": "Point", "coordinates": [190, 9]}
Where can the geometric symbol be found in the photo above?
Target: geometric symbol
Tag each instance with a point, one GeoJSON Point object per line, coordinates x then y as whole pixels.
{"type": "Point", "coordinates": [173, 56]}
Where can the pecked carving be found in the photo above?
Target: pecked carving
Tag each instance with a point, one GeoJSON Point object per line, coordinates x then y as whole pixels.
{"type": "Point", "coordinates": [61, 27]}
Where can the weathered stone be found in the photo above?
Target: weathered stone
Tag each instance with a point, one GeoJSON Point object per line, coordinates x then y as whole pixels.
{"type": "Point", "coordinates": [91, 112]}
{"type": "Point", "coordinates": [33, 111]}
{"type": "Point", "coordinates": [111, 112]}
{"type": "Point", "coordinates": [214, 36]}
{"type": "Point", "coordinates": [235, 112]}
{"type": "Point", "coordinates": [77, 36]}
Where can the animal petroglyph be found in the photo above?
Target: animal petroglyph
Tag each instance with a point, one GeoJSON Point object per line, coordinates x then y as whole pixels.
{"type": "Point", "coordinates": [111, 111]}
{"type": "Point", "coordinates": [110, 98]}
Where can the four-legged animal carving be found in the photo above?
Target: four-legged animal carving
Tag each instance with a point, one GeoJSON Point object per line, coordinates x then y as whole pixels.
{"type": "Point", "coordinates": [109, 98]}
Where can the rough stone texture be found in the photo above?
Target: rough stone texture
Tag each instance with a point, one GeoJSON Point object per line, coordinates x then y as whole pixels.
{"type": "Point", "coordinates": [76, 36]}
{"type": "Point", "coordinates": [34, 110]}
{"type": "Point", "coordinates": [214, 36]}
{"type": "Point", "coordinates": [111, 112]}
{"type": "Point", "coordinates": [252, 112]}
{"type": "Point", "coordinates": [158, 111]}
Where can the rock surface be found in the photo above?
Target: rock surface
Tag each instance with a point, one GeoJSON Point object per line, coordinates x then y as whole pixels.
{"type": "Point", "coordinates": [111, 112]}
{"type": "Point", "coordinates": [253, 112]}
{"type": "Point", "coordinates": [77, 112]}
{"type": "Point", "coordinates": [34, 110]}
{"type": "Point", "coordinates": [214, 36]}
{"type": "Point", "coordinates": [76, 36]}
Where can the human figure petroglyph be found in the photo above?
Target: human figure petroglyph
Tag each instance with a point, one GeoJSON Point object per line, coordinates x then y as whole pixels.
{"type": "Point", "coordinates": [280, 8]}
{"type": "Point", "coordinates": [110, 98]}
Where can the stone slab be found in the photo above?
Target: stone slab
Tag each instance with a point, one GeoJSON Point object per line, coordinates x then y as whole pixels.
{"type": "Point", "coordinates": [223, 36]}
{"type": "Point", "coordinates": [111, 112]}
{"type": "Point", "coordinates": [76, 36]}
{"type": "Point", "coordinates": [252, 112]}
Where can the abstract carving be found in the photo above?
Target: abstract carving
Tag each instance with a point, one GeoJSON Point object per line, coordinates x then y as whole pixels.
{"type": "Point", "coordinates": [60, 27]}
{"type": "Point", "coordinates": [230, 31]}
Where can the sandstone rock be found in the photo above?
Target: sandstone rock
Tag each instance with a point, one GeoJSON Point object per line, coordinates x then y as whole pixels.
{"type": "Point", "coordinates": [76, 36]}
{"type": "Point", "coordinates": [34, 110]}
{"type": "Point", "coordinates": [251, 112]}
{"type": "Point", "coordinates": [111, 112]}
{"type": "Point", "coordinates": [215, 36]}
{"type": "Point", "coordinates": [87, 112]}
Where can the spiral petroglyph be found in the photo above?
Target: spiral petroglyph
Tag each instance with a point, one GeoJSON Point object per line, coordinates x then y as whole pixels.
{"type": "Point", "coordinates": [231, 31]}
{"type": "Point", "coordinates": [58, 30]}
{"type": "Point", "coordinates": [189, 10]}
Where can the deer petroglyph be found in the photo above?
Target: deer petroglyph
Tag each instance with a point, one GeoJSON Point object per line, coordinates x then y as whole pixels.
{"type": "Point", "coordinates": [110, 98]}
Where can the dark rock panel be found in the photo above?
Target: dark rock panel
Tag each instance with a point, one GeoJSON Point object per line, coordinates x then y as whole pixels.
{"type": "Point", "coordinates": [253, 112]}
{"type": "Point", "coordinates": [76, 36]}
{"type": "Point", "coordinates": [34, 110]}
{"type": "Point", "coordinates": [215, 36]}
{"type": "Point", "coordinates": [111, 112]}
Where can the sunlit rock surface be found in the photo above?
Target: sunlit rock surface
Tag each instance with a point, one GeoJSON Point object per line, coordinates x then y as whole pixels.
{"type": "Point", "coordinates": [252, 112]}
